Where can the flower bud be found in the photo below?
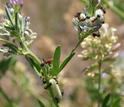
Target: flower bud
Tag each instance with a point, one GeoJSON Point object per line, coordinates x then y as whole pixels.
{"type": "Point", "coordinates": [116, 47]}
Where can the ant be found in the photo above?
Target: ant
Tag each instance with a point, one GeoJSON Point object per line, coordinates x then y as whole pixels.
{"type": "Point", "coordinates": [49, 61]}
{"type": "Point", "coordinates": [96, 34]}
{"type": "Point", "coordinates": [77, 15]}
{"type": "Point", "coordinates": [100, 7]}
{"type": "Point", "coordinates": [98, 16]}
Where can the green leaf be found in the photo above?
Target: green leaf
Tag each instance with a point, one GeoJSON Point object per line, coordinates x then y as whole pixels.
{"type": "Point", "coordinates": [10, 28]}
{"type": "Point", "coordinates": [4, 32]}
{"type": "Point", "coordinates": [56, 60]}
{"type": "Point", "coordinates": [34, 65]}
{"type": "Point", "coordinates": [13, 48]}
{"type": "Point", "coordinates": [107, 101]}
{"type": "Point", "coordinates": [3, 65]}
{"type": "Point", "coordinates": [40, 103]}
{"type": "Point", "coordinates": [12, 61]}
{"type": "Point", "coordinates": [116, 102]}
{"type": "Point", "coordinates": [10, 45]}
{"type": "Point", "coordinates": [64, 63]}
{"type": "Point", "coordinates": [4, 50]}
{"type": "Point", "coordinates": [5, 41]}
{"type": "Point", "coordinates": [16, 20]}
{"type": "Point", "coordinates": [9, 16]}
{"type": "Point", "coordinates": [7, 63]}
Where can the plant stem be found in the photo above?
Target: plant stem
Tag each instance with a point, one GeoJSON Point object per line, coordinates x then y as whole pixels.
{"type": "Point", "coordinates": [51, 98]}
{"type": "Point", "coordinates": [35, 58]}
{"type": "Point", "coordinates": [114, 8]}
{"type": "Point", "coordinates": [99, 84]}
{"type": "Point", "coordinates": [76, 45]}
{"type": "Point", "coordinates": [29, 52]}
{"type": "Point", "coordinates": [6, 97]}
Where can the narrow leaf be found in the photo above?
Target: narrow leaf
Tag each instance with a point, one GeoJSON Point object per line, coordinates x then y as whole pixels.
{"type": "Point", "coordinates": [33, 64]}
{"type": "Point", "coordinates": [107, 101]}
{"type": "Point", "coordinates": [4, 34]}
{"type": "Point", "coordinates": [64, 63]}
{"type": "Point", "coordinates": [3, 65]}
{"type": "Point", "coordinates": [10, 28]}
{"type": "Point", "coordinates": [116, 102]}
{"type": "Point", "coordinates": [40, 103]}
{"type": "Point", "coordinates": [56, 60]}
{"type": "Point", "coordinates": [12, 47]}
{"type": "Point", "coordinates": [9, 16]}
{"type": "Point", "coordinates": [4, 50]}
{"type": "Point", "coordinates": [5, 41]}
{"type": "Point", "coordinates": [16, 20]}
{"type": "Point", "coordinates": [6, 63]}
{"type": "Point", "coordinates": [8, 44]}
{"type": "Point", "coordinates": [12, 61]}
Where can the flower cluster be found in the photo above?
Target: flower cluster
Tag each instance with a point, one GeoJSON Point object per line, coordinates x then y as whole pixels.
{"type": "Point", "coordinates": [15, 26]}
{"type": "Point", "coordinates": [103, 47]}
{"type": "Point", "coordinates": [83, 23]}
{"type": "Point", "coordinates": [14, 6]}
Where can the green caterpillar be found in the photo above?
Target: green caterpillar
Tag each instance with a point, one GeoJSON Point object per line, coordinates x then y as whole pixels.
{"type": "Point", "coordinates": [55, 90]}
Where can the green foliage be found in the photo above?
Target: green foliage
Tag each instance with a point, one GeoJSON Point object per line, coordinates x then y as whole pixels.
{"type": "Point", "coordinates": [106, 101]}
{"type": "Point", "coordinates": [57, 67]}
{"type": "Point", "coordinates": [56, 61]}
{"type": "Point", "coordinates": [9, 17]}
{"type": "Point", "coordinates": [116, 6]}
{"type": "Point", "coordinates": [65, 62]}
{"type": "Point", "coordinates": [34, 65]}
{"type": "Point", "coordinates": [12, 48]}
{"type": "Point", "coordinates": [7, 63]}
{"type": "Point", "coordinates": [40, 103]}
{"type": "Point", "coordinates": [119, 4]}
{"type": "Point", "coordinates": [116, 102]}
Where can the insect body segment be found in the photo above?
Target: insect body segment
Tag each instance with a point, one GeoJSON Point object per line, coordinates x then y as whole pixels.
{"type": "Point", "coordinates": [53, 84]}
{"type": "Point", "coordinates": [100, 7]}
{"type": "Point", "coordinates": [55, 90]}
{"type": "Point", "coordinates": [49, 61]}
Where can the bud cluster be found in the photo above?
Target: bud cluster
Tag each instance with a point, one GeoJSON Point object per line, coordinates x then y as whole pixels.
{"type": "Point", "coordinates": [15, 25]}
{"type": "Point", "coordinates": [84, 23]}
{"type": "Point", "coordinates": [15, 6]}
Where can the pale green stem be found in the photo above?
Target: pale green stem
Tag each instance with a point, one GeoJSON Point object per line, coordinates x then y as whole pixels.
{"type": "Point", "coordinates": [99, 83]}
{"type": "Point", "coordinates": [51, 98]}
{"type": "Point", "coordinates": [76, 45]}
